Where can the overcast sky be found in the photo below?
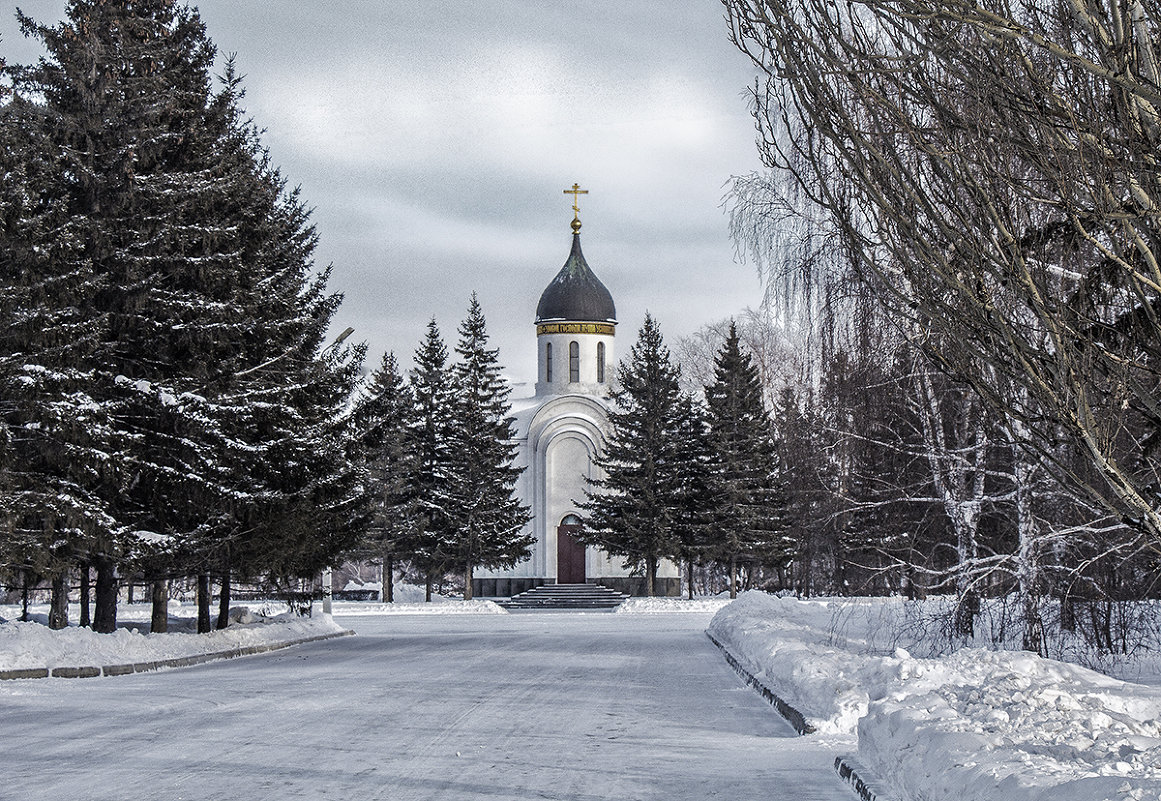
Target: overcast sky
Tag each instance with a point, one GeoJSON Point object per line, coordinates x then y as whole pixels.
{"type": "Point", "coordinates": [434, 141]}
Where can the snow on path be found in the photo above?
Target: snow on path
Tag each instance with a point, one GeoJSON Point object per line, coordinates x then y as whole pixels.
{"type": "Point", "coordinates": [669, 606]}
{"type": "Point", "coordinates": [977, 725]}
{"type": "Point", "coordinates": [33, 645]}
{"type": "Point", "coordinates": [557, 706]}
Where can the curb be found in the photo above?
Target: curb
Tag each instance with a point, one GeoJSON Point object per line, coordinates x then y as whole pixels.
{"type": "Point", "coordinates": [90, 671]}
{"type": "Point", "coordinates": [795, 718]}
{"type": "Point", "coordinates": [848, 770]}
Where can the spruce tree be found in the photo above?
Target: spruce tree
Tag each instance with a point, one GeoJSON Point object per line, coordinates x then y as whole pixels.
{"type": "Point", "coordinates": [50, 428]}
{"type": "Point", "coordinates": [805, 474]}
{"type": "Point", "coordinates": [747, 506]}
{"type": "Point", "coordinates": [429, 546]}
{"type": "Point", "coordinates": [635, 510]}
{"type": "Point", "coordinates": [693, 522]}
{"type": "Point", "coordinates": [217, 413]}
{"type": "Point", "coordinates": [314, 504]}
{"type": "Point", "coordinates": [488, 518]}
{"type": "Point", "coordinates": [385, 417]}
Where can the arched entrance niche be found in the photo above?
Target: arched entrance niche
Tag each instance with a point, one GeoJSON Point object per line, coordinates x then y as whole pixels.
{"type": "Point", "coordinates": [570, 553]}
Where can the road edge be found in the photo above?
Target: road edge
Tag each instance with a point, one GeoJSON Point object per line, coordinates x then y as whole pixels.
{"type": "Point", "coordinates": [792, 715]}
{"type": "Point", "coordinates": [858, 777]}
{"type": "Point", "coordinates": [848, 769]}
{"type": "Point", "coordinates": [92, 671]}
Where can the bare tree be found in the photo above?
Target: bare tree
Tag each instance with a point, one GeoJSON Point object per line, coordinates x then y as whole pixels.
{"type": "Point", "coordinates": [991, 172]}
{"type": "Point", "coordinates": [776, 346]}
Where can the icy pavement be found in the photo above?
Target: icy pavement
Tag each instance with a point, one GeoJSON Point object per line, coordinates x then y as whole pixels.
{"type": "Point", "coordinates": [559, 706]}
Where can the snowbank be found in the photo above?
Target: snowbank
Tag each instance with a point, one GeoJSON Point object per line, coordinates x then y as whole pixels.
{"type": "Point", "coordinates": [786, 645]}
{"type": "Point", "coordinates": [667, 606]}
{"type": "Point", "coordinates": [974, 725]}
{"type": "Point", "coordinates": [34, 645]}
{"type": "Point", "coordinates": [409, 600]}
{"type": "Point", "coordinates": [443, 606]}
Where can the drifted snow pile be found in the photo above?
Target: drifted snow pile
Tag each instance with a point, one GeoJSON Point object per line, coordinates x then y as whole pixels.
{"type": "Point", "coordinates": [787, 645]}
{"type": "Point", "coordinates": [977, 724]}
{"type": "Point", "coordinates": [437, 606]}
{"type": "Point", "coordinates": [33, 645]}
{"type": "Point", "coordinates": [669, 606]}
{"type": "Point", "coordinates": [409, 600]}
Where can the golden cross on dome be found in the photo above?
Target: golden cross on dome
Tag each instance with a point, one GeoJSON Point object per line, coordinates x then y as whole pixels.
{"type": "Point", "coordinates": [576, 191]}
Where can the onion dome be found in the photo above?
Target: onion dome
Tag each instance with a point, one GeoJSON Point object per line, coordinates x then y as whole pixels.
{"type": "Point", "coordinates": [576, 294]}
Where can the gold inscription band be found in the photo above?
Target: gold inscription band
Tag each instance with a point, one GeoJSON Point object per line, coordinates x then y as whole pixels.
{"type": "Point", "coordinates": [608, 329]}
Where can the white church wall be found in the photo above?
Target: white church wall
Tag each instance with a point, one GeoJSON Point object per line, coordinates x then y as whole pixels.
{"type": "Point", "coordinates": [563, 436]}
{"type": "Point", "coordinates": [558, 439]}
{"type": "Point", "coordinates": [588, 359]}
{"type": "Point", "coordinates": [568, 456]}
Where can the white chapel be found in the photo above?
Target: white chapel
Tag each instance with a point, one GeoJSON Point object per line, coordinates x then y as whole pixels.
{"type": "Point", "coordinates": [559, 432]}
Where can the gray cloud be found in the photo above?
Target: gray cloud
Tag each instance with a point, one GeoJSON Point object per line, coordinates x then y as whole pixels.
{"type": "Point", "coordinates": [434, 140]}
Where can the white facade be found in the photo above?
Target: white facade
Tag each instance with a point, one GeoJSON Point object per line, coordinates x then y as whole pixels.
{"type": "Point", "coordinates": [558, 437]}
{"type": "Point", "coordinates": [559, 432]}
{"type": "Point", "coordinates": [588, 372]}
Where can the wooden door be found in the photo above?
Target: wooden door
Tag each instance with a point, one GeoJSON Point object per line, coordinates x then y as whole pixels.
{"type": "Point", "coordinates": [570, 556]}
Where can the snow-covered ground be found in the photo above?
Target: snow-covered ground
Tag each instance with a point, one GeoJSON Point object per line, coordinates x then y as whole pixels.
{"type": "Point", "coordinates": [444, 606]}
{"type": "Point", "coordinates": [547, 705]}
{"type": "Point", "coordinates": [33, 645]}
{"type": "Point", "coordinates": [972, 725]}
{"type": "Point", "coordinates": [670, 606]}
{"type": "Point", "coordinates": [976, 725]}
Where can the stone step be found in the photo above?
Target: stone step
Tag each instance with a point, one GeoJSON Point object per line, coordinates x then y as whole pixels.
{"type": "Point", "coordinates": [549, 599]}
{"type": "Point", "coordinates": [571, 593]}
{"type": "Point", "coordinates": [554, 605]}
{"type": "Point", "coordinates": [566, 596]}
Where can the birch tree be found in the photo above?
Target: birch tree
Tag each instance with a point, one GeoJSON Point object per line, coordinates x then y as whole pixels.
{"type": "Point", "coordinates": [991, 172]}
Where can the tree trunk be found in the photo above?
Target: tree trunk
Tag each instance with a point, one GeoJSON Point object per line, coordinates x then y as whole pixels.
{"type": "Point", "coordinates": [1068, 612]}
{"type": "Point", "coordinates": [24, 596]}
{"type": "Point", "coordinates": [650, 576]}
{"type": "Point", "coordinates": [86, 620]}
{"type": "Point", "coordinates": [1028, 560]}
{"type": "Point", "coordinates": [58, 615]}
{"type": "Point", "coordinates": [105, 611]}
{"type": "Point", "coordinates": [966, 610]}
{"type": "Point", "coordinates": [224, 600]}
{"type": "Point", "coordinates": [387, 592]}
{"type": "Point", "coordinates": [468, 582]}
{"type": "Point", "coordinates": [733, 576]}
{"type": "Point", "coordinates": [203, 603]}
{"type": "Point", "coordinates": [159, 623]}
{"type": "Point", "coordinates": [129, 588]}
{"type": "Point", "coordinates": [689, 577]}
{"type": "Point", "coordinates": [427, 590]}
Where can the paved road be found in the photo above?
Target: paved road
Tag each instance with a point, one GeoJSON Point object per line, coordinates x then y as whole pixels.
{"type": "Point", "coordinates": [557, 706]}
